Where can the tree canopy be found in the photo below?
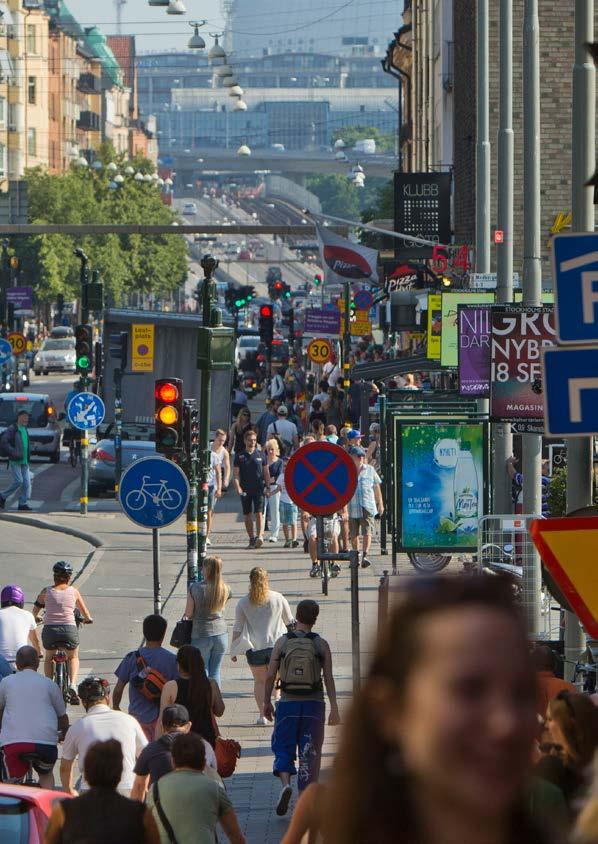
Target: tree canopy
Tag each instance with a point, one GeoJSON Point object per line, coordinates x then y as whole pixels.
{"type": "Point", "coordinates": [385, 141]}
{"type": "Point", "coordinates": [126, 262]}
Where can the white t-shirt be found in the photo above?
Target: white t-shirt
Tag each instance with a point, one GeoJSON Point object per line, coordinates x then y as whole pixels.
{"type": "Point", "coordinates": [322, 398]}
{"type": "Point", "coordinates": [264, 623]}
{"type": "Point", "coordinates": [31, 707]}
{"type": "Point", "coordinates": [214, 462]}
{"type": "Point", "coordinates": [15, 626]}
{"type": "Point", "coordinates": [287, 431]}
{"type": "Point", "coordinates": [331, 372]}
{"type": "Point", "coordinates": [100, 724]}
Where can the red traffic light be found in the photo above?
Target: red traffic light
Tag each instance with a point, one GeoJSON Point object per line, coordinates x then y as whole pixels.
{"type": "Point", "coordinates": [278, 285]}
{"type": "Point", "coordinates": [167, 392]}
{"type": "Point", "coordinates": [266, 311]}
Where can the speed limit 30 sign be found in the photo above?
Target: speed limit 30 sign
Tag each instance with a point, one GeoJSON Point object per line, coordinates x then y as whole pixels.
{"type": "Point", "coordinates": [17, 342]}
{"type": "Point", "coordinates": [319, 350]}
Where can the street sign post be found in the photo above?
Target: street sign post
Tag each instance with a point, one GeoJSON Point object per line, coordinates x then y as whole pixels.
{"type": "Point", "coordinates": [319, 350]}
{"type": "Point", "coordinates": [153, 493]}
{"type": "Point", "coordinates": [571, 391]}
{"type": "Point", "coordinates": [5, 351]}
{"type": "Point", "coordinates": [18, 342]}
{"type": "Point", "coordinates": [567, 545]}
{"type": "Point", "coordinates": [318, 322]}
{"type": "Point", "coordinates": [363, 300]}
{"type": "Point", "coordinates": [85, 411]}
{"type": "Point", "coordinates": [321, 478]}
{"type": "Point", "coordinates": [575, 272]}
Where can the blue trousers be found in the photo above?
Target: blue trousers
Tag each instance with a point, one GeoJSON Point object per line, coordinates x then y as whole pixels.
{"type": "Point", "coordinates": [21, 478]}
{"type": "Point", "coordinates": [212, 650]}
{"type": "Point", "coordinates": [298, 731]}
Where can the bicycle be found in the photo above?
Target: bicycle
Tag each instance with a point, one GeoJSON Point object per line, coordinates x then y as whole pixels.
{"type": "Point", "coordinates": [27, 779]}
{"type": "Point", "coordinates": [326, 568]}
{"type": "Point", "coordinates": [169, 498]}
{"type": "Point", "coordinates": [74, 452]}
{"type": "Point", "coordinates": [60, 673]}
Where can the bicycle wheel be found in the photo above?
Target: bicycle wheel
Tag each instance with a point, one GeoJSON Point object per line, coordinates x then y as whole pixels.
{"type": "Point", "coordinates": [60, 678]}
{"type": "Point", "coordinates": [324, 565]}
{"type": "Point", "coordinates": [172, 499]}
{"type": "Point", "coordinates": [135, 500]}
{"type": "Point", "coordinates": [73, 457]}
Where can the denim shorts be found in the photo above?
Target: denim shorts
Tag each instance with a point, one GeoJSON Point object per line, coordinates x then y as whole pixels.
{"type": "Point", "coordinates": [288, 513]}
{"type": "Point", "coordinates": [259, 657]}
{"type": "Point", "coordinates": [59, 634]}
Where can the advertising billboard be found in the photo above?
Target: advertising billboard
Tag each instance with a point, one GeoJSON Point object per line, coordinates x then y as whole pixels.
{"type": "Point", "coordinates": [422, 209]}
{"type": "Point", "coordinates": [442, 485]}
{"type": "Point", "coordinates": [434, 325]}
{"type": "Point", "coordinates": [519, 334]}
{"type": "Point", "coordinates": [475, 333]}
{"type": "Point", "coordinates": [449, 342]}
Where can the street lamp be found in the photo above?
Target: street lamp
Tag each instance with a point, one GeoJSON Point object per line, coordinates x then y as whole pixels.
{"type": "Point", "coordinates": [119, 179]}
{"type": "Point", "coordinates": [112, 167]}
{"type": "Point", "coordinates": [176, 7]}
{"type": "Point", "coordinates": [244, 150]}
{"type": "Point", "coordinates": [236, 91]}
{"type": "Point", "coordinates": [196, 42]}
{"type": "Point", "coordinates": [224, 70]}
{"type": "Point", "coordinates": [82, 161]}
{"type": "Point", "coordinates": [240, 106]}
{"type": "Point", "coordinates": [168, 182]}
{"type": "Point", "coordinates": [158, 2]}
{"type": "Point", "coordinates": [229, 82]}
{"type": "Point", "coordinates": [97, 166]}
{"type": "Point", "coordinates": [139, 177]}
{"type": "Point", "coordinates": [216, 51]}
{"type": "Point", "coordinates": [129, 170]}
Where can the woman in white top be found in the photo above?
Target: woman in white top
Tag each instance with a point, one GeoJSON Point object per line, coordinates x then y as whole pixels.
{"type": "Point", "coordinates": [219, 476]}
{"type": "Point", "coordinates": [261, 618]}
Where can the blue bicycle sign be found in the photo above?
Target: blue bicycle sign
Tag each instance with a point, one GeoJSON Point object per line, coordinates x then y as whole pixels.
{"type": "Point", "coordinates": [158, 493]}
{"type": "Point", "coordinates": [153, 492]}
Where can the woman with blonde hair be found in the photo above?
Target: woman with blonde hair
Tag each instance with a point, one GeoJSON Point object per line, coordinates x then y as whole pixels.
{"type": "Point", "coordinates": [275, 467]}
{"type": "Point", "coordinates": [205, 606]}
{"type": "Point", "coordinates": [261, 617]}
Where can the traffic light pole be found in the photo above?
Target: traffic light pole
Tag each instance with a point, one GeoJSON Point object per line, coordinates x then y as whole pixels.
{"type": "Point", "coordinates": [347, 348]}
{"type": "Point", "coordinates": [84, 379]}
{"type": "Point", "coordinates": [118, 424]}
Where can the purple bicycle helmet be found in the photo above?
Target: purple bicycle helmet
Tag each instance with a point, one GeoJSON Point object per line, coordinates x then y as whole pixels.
{"type": "Point", "coordinates": [12, 595]}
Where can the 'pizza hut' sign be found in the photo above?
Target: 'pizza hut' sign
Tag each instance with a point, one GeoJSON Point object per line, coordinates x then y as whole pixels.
{"type": "Point", "coordinates": [403, 277]}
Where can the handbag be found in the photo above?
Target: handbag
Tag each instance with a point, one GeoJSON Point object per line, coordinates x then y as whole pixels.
{"type": "Point", "coordinates": [240, 646]}
{"type": "Point", "coordinates": [162, 815]}
{"type": "Point", "coordinates": [227, 752]}
{"type": "Point", "coordinates": [181, 635]}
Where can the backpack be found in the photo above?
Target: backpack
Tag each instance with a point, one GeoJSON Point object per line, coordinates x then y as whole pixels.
{"type": "Point", "coordinates": [4, 443]}
{"type": "Point", "coordinates": [300, 668]}
{"type": "Point", "coordinates": [149, 682]}
{"type": "Point", "coordinates": [284, 446]}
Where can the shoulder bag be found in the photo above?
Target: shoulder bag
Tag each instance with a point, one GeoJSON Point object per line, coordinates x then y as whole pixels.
{"type": "Point", "coordinates": [162, 815]}
{"type": "Point", "coordinates": [181, 635]}
{"type": "Point", "coordinates": [227, 752]}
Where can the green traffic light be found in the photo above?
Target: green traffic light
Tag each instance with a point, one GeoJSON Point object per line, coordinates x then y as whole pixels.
{"type": "Point", "coordinates": [238, 303]}
{"type": "Point", "coordinates": [83, 362]}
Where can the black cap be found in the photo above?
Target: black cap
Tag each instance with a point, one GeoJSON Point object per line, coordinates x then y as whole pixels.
{"type": "Point", "coordinates": [175, 714]}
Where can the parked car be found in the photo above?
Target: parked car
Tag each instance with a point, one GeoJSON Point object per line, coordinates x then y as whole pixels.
{"type": "Point", "coordinates": [43, 428]}
{"type": "Point", "coordinates": [102, 461]}
{"type": "Point", "coordinates": [25, 812]}
{"type": "Point", "coordinates": [189, 209]}
{"type": "Point", "coordinates": [55, 355]}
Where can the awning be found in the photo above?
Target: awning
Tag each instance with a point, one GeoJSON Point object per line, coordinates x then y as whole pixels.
{"type": "Point", "coordinates": [7, 70]}
{"type": "Point", "coordinates": [382, 369]}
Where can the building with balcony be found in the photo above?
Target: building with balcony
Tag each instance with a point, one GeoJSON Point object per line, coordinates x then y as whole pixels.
{"type": "Point", "coordinates": [63, 106]}
{"type": "Point", "coordinates": [142, 140]}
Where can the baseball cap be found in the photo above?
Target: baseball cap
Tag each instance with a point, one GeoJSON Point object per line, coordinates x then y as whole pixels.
{"type": "Point", "coordinates": [176, 713]}
{"type": "Point", "coordinates": [282, 410]}
{"type": "Point", "coordinates": [374, 427]}
{"type": "Point", "coordinates": [354, 434]}
{"type": "Point", "coordinates": [357, 451]}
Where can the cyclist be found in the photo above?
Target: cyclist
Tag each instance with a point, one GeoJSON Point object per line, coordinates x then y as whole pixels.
{"type": "Point", "coordinates": [71, 436]}
{"type": "Point", "coordinates": [332, 532]}
{"type": "Point", "coordinates": [60, 601]}
{"type": "Point", "coordinates": [17, 625]}
{"type": "Point", "coordinates": [33, 719]}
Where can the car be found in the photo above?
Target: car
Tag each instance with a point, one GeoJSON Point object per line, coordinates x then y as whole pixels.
{"type": "Point", "coordinates": [277, 147]}
{"type": "Point", "coordinates": [246, 346]}
{"type": "Point", "coordinates": [245, 255]}
{"type": "Point", "coordinates": [280, 351]}
{"type": "Point", "coordinates": [102, 461]}
{"type": "Point", "coordinates": [55, 355]}
{"type": "Point", "coordinates": [25, 812]}
{"type": "Point", "coordinates": [60, 331]}
{"type": "Point", "coordinates": [189, 209]}
{"type": "Point", "coordinates": [43, 428]}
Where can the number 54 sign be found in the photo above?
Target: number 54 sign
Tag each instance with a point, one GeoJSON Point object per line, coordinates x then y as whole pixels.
{"type": "Point", "coordinates": [319, 351]}
{"type": "Point", "coordinates": [458, 259]}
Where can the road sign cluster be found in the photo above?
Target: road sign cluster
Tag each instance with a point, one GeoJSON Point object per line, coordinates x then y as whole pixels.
{"type": "Point", "coordinates": [571, 369]}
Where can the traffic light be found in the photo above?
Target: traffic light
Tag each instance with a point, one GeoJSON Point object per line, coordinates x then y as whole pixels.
{"type": "Point", "coordinates": [291, 323]}
{"type": "Point", "coordinates": [266, 324]}
{"type": "Point", "coordinates": [277, 289]}
{"type": "Point", "coordinates": [191, 427]}
{"type": "Point", "coordinates": [242, 296]}
{"type": "Point", "coordinates": [168, 394]}
{"type": "Point", "coordinates": [118, 347]}
{"type": "Point", "coordinates": [317, 279]}
{"type": "Point", "coordinates": [84, 349]}
{"type": "Point", "coordinates": [286, 290]}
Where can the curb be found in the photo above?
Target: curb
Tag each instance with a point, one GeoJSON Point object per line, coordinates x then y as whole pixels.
{"type": "Point", "coordinates": [92, 559]}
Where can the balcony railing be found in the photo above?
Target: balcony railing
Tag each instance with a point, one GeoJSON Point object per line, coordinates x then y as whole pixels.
{"type": "Point", "coordinates": [89, 121]}
{"type": "Point", "coordinates": [89, 83]}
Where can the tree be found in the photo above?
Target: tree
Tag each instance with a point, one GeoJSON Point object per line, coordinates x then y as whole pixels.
{"type": "Point", "coordinates": [385, 141]}
{"type": "Point", "coordinates": [338, 196]}
{"type": "Point", "coordinates": [125, 262]}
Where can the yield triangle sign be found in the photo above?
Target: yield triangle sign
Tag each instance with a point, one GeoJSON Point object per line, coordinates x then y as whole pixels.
{"type": "Point", "coordinates": [568, 548]}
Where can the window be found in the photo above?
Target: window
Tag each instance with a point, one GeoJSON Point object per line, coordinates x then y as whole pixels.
{"type": "Point", "coordinates": [2, 111]}
{"type": "Point", "coordinates": [31, 90]}
{"type": "Point", "coordinates": [31, 38]}
{"type": "Point", "coordinates": [31, 142]}
{"type": "Point", "coordinates": [12, 115]}
{"type": "Point", "coordinates": [2, 160]}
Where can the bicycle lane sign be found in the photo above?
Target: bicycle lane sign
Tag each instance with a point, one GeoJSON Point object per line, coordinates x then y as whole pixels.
{"type": "Point", "coordinates": [153, 492]}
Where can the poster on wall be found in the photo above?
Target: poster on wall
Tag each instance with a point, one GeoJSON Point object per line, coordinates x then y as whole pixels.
{"type": "Point", "coordinates": [449, 341]}
{"type": "Point", "coordinates": [434, 325]}
{"type": "Point", "coordinates": [475, 332]}
{"type": "Point", "coordinates": [519, 334]}
{"type": "Point", "coordinates": [443, 470]}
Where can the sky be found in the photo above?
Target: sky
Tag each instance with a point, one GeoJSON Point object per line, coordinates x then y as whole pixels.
{"type": "Point", "coordinates": [155, 30]}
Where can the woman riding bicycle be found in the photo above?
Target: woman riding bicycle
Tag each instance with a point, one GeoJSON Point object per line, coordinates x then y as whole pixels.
{"type": "Point", "coordinates": [60, 626]}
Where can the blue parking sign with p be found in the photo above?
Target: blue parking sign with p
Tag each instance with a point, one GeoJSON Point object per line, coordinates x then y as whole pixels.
{"type": "Point", "coordinates": [575, 268]}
